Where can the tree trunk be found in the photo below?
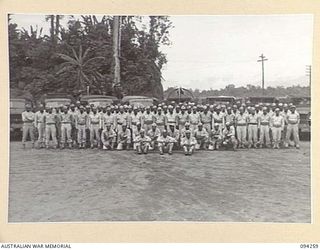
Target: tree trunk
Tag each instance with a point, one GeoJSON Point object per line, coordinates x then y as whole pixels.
{"type": "Point", "coordinates": [52, 28]}
{"type": "Point", "coordinates": [57, 26]}
{"type": "Point", "coordinates": [116, 50]}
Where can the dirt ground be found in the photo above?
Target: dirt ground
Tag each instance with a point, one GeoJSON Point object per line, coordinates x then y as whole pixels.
{"type": "Point", "coordinates": [256, 185]}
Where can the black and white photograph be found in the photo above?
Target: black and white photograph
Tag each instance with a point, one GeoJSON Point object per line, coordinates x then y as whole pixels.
{"type": "Point", "coordinates": [170, 118]}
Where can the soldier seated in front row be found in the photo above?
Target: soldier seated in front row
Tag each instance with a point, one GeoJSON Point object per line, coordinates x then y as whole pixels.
{"type": "Point", "coordinates": [153, 133]}
{"type": "Point", "coordinates": [201, 136]}
{"type": "Point", "coordinates": [174, 133]}
{"type": "Point", "coordinates": [142, 143]}
{"type": "Point", "coordinates": [108, 138]}
{"type": "Point", "coordinates": [165, 143]}
{"type": "Point", "coordinates": [215, 137]}
{"type": "Point", "coordinates": [229, 139]}
{"type": "Point", "coordinates": [124, 138]}
{"type": "Point", "coordinates": [188, 143]}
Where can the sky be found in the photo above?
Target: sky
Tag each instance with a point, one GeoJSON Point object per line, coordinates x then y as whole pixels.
{"type": "Point", "coordinates": [214, 51]}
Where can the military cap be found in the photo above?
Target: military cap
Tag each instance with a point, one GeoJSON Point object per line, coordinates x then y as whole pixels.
{"type": "Point", "coordinates": [154, 125]}
{"type": "Point", "coordinates": [188, 131]}
{"type": "Point", "coordinates": [183, 108]}
{"type": "Point", "coordinates": [170, 107]}
{"type": "Point", "coordinates": [187, 124]}
{"type": "Point", "coordinates": [264, 108]}
{"type": "Point", "coordinates": [121, 107]}
{"type": "Point", "coordinates": [200, 124]}
{"type": "Point", "coordinates": [227, 123]}
{"type": "Point", "coordinates": [216, 124]}
{"type": "Point", "coordinates": [159, 108]}
{"type": "Point", "coordinates": [277, 109]}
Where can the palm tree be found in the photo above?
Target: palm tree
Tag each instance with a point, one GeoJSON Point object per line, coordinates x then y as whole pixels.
{"type": "Point", "coordinates": [78, 64]}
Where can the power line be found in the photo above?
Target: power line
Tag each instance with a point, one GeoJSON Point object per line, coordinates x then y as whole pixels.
{"type": "Point", "coordinates": [262, 60]}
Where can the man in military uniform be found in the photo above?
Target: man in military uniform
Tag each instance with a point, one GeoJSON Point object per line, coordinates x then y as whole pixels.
{"type": "Point", "coordinates": [66, 120]}
{"type": "Point", "coordinates": [81, 122]}
{"type": "Point", "coordinates": [215, 137]}
{"type": "Point", "coordinates": [265, 122]}
{"type": "Point", "coordinates": [194, 118]}
{"type": "Point", "coordinates": [108, 118]}
{"type": "Point", "coordinates": [134, 119]}
{"type": "Point", "coordinates": [172, 118]}
{"type": "Point", "coordinates": [241, 121]}
{"type": "Point", "coordinates": [160, 119]}
{"type": "Point", "coordinates": [153, 133]}
{"type": "Point", "coordinates": [165, 143]}
{"type": "Point", "coordinates": [188, 143]}
{"type": "Point", "coordinates": [95, 126]}
{"type": "Point", "coordinates": [124, 138]}
{"type": "Point", "coordinates": [108, 138]}
{"type": "Point", "coordinates": [40, 125]}
{"type": "Point", "coordinates": [293, 120]}
{"type": "Point", "coordinates": [277, 125]}
{"type": "Point", "coordinates": [50, 128]}
{"type": "Point", "coordinates": [201, 136]}
{"type": "Point", "coordinates": [183, 118]}
{"type": "Point", "coordinates": [206, 118]}
{"type": "Point", "coordinates": [229, 138]}
{"type": "Point", "coordinates": [174, 133]}
{"type": "Point", "coordinates": [28, 125]}
{"type": "Point", "coordinates": [148, 119]}
{"type": "Point", "coordinates": [253, 124]}
{"type": "Point", "coordinates": [142, 143]}
{"type": "Point", "coordinates": [218, 117]}
{"type": "Point", "coordinates": [121, 118]}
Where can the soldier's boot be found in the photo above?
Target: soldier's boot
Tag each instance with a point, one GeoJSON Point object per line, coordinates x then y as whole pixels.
{"type": "Point", "coordinates": [297, 146]}
{"type": "Point", "coordinates": [161, 151]}
{"type": "Point", "coordinates": [91, 146]}
{"type": "Point", "coordinates": [139, 151]}
{"type": "Point", "coordinates": [70, 145]}
{"type": "Point", "coordinates": [255, 145]}
{"type": "Point", "coordinates": [23, 145]}
{"type": "Point", "coordinates": [61, 145]}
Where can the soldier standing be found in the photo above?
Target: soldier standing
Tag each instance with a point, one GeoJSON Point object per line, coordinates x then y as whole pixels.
{"type": "Point", "coordinates": [51, 129]}
{"type": "Point", "coordinates": [28, 125]}
{"type": "Point", "coordinates": [253, 124]}
{"type": "Point", "coordinates": [277, 125]}
{"type": "Point", "coordinates": [206, 119]}
{"type": "Point", "coordinates": [241, 120]}
{"type": "Point", "coordinates": [66, 120]}
{"type": "Point", "coordinates": [40, 125]}
{"type": "Point", "coordinates": [293, 120]}
{"type": "Point", "coordinates": [95, 126]}
{"type": "Point", "coordinates": [81, 125]}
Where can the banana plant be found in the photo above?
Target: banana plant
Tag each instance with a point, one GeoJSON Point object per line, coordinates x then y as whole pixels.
{"type": "Point", "coordinates": [79, 64]}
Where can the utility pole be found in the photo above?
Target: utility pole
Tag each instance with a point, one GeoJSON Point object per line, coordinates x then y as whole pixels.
{"type": "Point", "coordinates": [116, 50]}
{"type": "Point", "coordinates": [308, 73]}
{"type": "Point", "coordinates": [263, 58]}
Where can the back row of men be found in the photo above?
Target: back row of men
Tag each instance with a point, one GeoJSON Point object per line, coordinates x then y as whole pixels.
{"type": "Point", "coordinates": [210, 126]}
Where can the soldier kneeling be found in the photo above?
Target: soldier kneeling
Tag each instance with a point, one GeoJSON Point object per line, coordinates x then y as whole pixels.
{"type": "Point", "coordinates": [201, 136]}
{"type": "Point", "coordinates": [165, 143]}
{"type": "Point", "coordinates": [215, 137]}
{"type": "Point", "coordinates": [229, 139]}
{"type": "Point", "coordinates": [108, 137]}
{"type": "Point", "coordinates": [124, 138]}
{"type": "Point", "coordinates": [142, 143]}
{"type": "Point", "coordinates": [188, 143]}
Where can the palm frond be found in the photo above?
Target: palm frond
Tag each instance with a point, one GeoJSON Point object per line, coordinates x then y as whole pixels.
{"type": "Point", "coordinates": [92, 59]}
{"type": "Point", "coordinates": [67, 58]}
{"type": "Point", "coordinates": [74, 54]}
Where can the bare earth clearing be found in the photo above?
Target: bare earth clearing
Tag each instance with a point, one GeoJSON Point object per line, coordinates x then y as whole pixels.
{"type": "Point", "coordinates": [261, 185]}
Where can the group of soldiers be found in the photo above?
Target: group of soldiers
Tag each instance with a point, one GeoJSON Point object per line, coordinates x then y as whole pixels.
{"type": "Point", "coordinates": [163, 127]}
